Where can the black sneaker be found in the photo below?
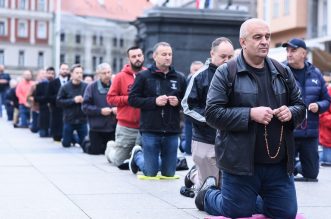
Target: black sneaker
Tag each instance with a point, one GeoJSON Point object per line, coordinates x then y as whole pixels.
{"type": "Point", "coordinates": [325, 164]}
{"type": "Point", "coordinates": [132, 165]}
{"type": "Point", "coordinates": [209, 183]}
{"type": "Point", "coordinates": [305, 179]}
{"type": "Point", "coordinates": [124, 165]}
{"type": "Point", "coordinates": [187, 180]}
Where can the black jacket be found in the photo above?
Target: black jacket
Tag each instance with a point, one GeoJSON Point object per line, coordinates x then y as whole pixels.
{"type": "Point", "coordinates": [235, 142]}
{"type": "Point", "coordinates": [40, 97]}
{"type": "Point", "coordinates": [194, 104]}
{"type": "Point", "coordinates": [95, 99]}
{"type": "Point", "coordinates": [11, 98]}
{"type": "Point", "coordinates": [150, 84]}
{"type": "Point", "coordinates": [72, 112]}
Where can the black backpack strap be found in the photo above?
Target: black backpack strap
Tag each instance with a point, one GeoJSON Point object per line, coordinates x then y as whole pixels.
{"type": "Point", "coordinates": [280, 68]}
{"type": "Point", "coordinates": [232, 72]}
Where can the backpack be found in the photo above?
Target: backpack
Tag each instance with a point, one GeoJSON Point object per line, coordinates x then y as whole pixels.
{"type": "Point", "coordinates": [232, 68]}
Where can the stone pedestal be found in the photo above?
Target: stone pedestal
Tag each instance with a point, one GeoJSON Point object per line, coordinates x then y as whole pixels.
{"type": "Point", "coordinates": [189, 31]}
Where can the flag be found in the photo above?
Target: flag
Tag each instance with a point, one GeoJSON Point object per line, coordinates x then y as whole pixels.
{"type": "Point", "coordinates": [202, 4]}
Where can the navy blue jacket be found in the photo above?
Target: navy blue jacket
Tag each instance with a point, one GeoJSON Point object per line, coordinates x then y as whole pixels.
{"type": "Point", "coordinates": [313, 90]}
{"type": "Point", "coordinates": [194, 104]}
{"type": "Point", "coordinates": [95, 99]}
{"type": "Point", "coordinates": [150, 84]}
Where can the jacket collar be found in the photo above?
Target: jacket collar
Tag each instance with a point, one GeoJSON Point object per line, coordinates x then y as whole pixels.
{"type": "Point", "coordinates": [242, 66]}
{"type": "Point", "coordinates": [154, 70]}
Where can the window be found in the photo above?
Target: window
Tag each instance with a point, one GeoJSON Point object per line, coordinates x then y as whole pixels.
{"type": "Point", "coordinates": [114, 41]}
{"type": "Point", "coordinates": [3, 28]}
{"type": "Point", "coordinates": [94, 40]}
{"type": "Point", "coordinates": [77, 59]}
{"type": "Point", "coordinates": [78, 38]}
{"type": "Point", "coordinates": [100, 60]}
{"type": "Point", "coordinates": [23, 4]}
{"type": "Point", "coordinates": [40, 60]}
{"type": "Point", "coordinates": [115, 64]}
{"type": "Point", "coordinates": [121, 62]}
{"type": "Point", "coordinates": [62, 37]}
{"type": "Point", "coordinates": [21, 58]}
{"type": "Point", "coordinates": [94, 63]}
{"type": "Point", "coordinates": [2, 3]}
{"type": "Point", "coordinates": [276, 9]}
{"type": "Point", "coordinates": [101, 40]}
{"type": "Point", "coordinates": [22, 28]}
{"type": "Point", "coordinates": [41, 5]}
{"type": "Point", "coordinates": [42, 33]}
{"type": "Point", "coordinates": [121, 43]}
{"type": "Point", "coordinates": [2, 57]}
{"type": "Point", "coordinates": [62, 58]}
{"type": "Point", "coordinates": [324, 20]}
{"type": "Point", "coordinates": [286, 7]}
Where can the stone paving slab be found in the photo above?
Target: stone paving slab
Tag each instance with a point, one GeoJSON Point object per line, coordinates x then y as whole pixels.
{"type": "Point", "coordinates": [40, 179]}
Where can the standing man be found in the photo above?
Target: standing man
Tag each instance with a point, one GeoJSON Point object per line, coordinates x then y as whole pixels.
{"type": "Point", "coordinates": [101, 115]}
{"type": "Point", "coordinates": [158, 91]}
{"type": "Point", "coordinates": [194, 104]}
{"type": "Point", "coordinates": [4, 86]}
{"type": "Point", "coordinates": [22, 90]}
{"type": "Point", "coordinates": [70, 98]}
{"type": "Point", "coordinates": [127, 129]}
{"type": "Point", "coordinates": [56, 113]}
{"type": "Point", "coordinates": [317, 100]}
{"type": "Point", "coordinates": [254, 145]}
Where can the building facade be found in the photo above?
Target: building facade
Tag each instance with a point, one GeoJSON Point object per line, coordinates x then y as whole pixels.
{"type": "Point", "coordinates": [287, 19]}
{"type": "Point", "coordinates": [26, 40]}
{"type": "Point", "coordinates": [91, 41]}
{"type": "Point", "coordinates": [246, 6]}
{"type": "Point", "coordinates": [96, 31]}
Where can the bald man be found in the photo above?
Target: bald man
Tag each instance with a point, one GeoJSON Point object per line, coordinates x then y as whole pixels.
{"type": "Point", "coordinates": [254, 142]}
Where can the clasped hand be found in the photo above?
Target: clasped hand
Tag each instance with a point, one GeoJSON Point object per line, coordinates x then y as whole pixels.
{"type": "Point", "coordinates": [264, 114]}
{"type": "Point", "coordinates": [163, 100]}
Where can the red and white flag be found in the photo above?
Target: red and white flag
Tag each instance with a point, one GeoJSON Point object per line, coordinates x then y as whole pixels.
{"type": "Point", "coordinates": [202, 4]}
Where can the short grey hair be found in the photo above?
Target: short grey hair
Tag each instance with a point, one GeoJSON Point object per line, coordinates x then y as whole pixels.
{"type": "Point", "coordinates": [196, 63]}
{"type": "Point", "coordinates": [218, 41]}
{"type": "Point", "coordinates": [160, 44]}
{"type": "Point", "coordinates": [243, 28]}
{"type": "Point", "coordinates": [102, 66]}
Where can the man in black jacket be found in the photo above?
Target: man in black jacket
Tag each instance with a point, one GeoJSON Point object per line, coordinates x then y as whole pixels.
{"type": "Point", "coordinates": [254, 145]}
{"type": "Point", "coordinates": [194, 103]}
{"type": "Point", "coordinates": [56, 113]}
{"type": "Point", "coordinates": [101, 116]}
{"type": "Point", "coordinates": [70, 98]}
{"type": "Point", "coordinates": [157, 91]}
{"type": "Point", "coordinates": [40, 97]}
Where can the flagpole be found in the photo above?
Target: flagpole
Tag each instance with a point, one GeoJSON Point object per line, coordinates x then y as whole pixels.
{"type": "Point", "coordinates": [58, 34]}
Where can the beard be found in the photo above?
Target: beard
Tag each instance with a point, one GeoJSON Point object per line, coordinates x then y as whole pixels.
{"type": "Point", "coordinates": [137, 66]}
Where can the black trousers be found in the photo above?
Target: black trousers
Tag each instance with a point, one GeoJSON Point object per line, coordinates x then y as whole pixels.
{"type": "Point", "coordinates": [98, 142]}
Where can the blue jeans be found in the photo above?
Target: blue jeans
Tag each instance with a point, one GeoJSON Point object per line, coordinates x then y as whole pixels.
{"type": "Point", "coordinates": [68, 133]}
{"type": "Point", "coordinates": [188, 136]}
{"type": "Point", "coordinates": [34, 124]}
{"type": "Point", "coordinates": [309, 158]}
{"type": "Point", "coordinates": [24, 113]}
{"type": "Point", "coordinates": [155, 147]}
{"type": "Point", "coordinates": [326, 155]}
{"type": "Point", "coordinates": [2, 101]}
{"type": "Point", "coordinates": [238, 196]}
{"type": "Point", "coordinates": [43, 133]}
